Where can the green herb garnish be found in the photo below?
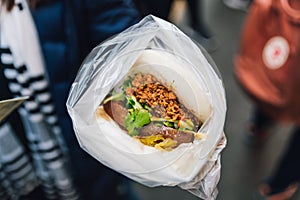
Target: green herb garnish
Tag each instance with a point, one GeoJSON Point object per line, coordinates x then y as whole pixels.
{"type": "Point", "coordinates": [115, 97]}
{"type": "Point", "coordinates": [137, 117]}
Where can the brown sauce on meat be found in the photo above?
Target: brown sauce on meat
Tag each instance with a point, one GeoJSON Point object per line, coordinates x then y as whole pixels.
{"type": "Point", "coordinates": [100, 112]}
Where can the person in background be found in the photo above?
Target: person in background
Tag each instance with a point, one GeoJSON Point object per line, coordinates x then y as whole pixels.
{"type": "Point", "coordinates": [284, 181]}
{"type": "Point", "coordinates": [42, 45]}
{"type": "Point", "coordinates": [267, 68]}
{"type": "Point", "coordinates": [198, 29]}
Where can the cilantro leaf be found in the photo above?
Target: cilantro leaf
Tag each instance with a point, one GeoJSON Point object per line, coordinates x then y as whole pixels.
{"type": "Point", "coordinates": [142, 118]}
{"type": "Point", "coordinates": [136, 118]}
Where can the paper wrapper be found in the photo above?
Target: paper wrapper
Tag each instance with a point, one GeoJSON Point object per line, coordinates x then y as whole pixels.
{"type": "Point", "coordinates": [9, 105]}
{"type": "Point", "coordinates": [157, 47]}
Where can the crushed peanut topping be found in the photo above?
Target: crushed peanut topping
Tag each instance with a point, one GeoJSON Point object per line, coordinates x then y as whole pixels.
{"type": "Point", "coordinates": [164, 103]}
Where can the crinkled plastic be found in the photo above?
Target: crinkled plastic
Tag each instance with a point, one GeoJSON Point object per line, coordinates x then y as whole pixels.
{"type": "Point", "coordinates": [158, 47]}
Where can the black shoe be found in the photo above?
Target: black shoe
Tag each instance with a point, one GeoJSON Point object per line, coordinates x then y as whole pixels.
{"type": "Point", "coordinates": [264, 192]}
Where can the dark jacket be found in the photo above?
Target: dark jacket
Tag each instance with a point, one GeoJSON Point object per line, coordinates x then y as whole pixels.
{"type": "Point", "coordinates": [68, 30]}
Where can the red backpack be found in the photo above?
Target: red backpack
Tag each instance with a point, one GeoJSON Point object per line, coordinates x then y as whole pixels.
{"type": "Point", "coordinates": [267, 64]}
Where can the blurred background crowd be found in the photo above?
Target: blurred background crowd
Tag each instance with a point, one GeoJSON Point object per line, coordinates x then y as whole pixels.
{"type": "Point", "coordinates": [66, 31]}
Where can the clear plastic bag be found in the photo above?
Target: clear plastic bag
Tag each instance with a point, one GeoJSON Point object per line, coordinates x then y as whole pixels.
{"type": "Point", "coordinates": [158, 47]}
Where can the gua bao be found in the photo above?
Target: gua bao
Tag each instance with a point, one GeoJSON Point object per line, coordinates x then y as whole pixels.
{"type": "Point", "coordinates": [151, 112]}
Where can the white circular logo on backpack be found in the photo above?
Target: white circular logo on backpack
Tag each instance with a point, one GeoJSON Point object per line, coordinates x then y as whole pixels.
{"type": "Point", "coordinates": [276, 52]}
